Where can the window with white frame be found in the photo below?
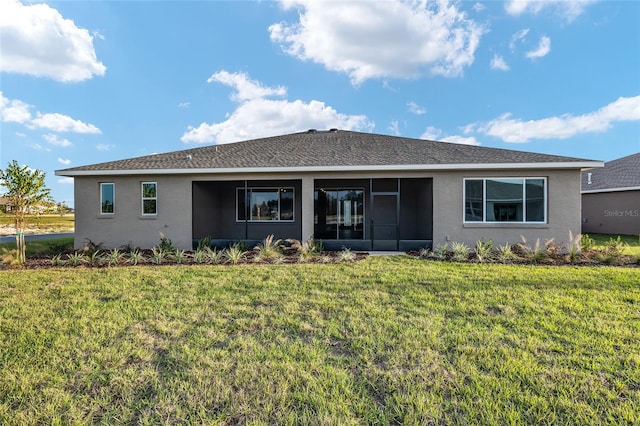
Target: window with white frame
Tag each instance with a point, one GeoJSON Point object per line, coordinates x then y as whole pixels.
{"type": "Point", "coordinates": [489, 200]}
{"type": "Point", "coordinates": [149, 198]}
{"type": "Point", "coordinates": [265, 204]}
{"type": "Point", "coordinates": [107, 198]}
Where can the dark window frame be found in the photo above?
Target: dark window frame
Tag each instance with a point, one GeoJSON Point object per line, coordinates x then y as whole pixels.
{"type": "Point", "coordinates": [279, 190]}
{"type": "Point", "coordinates": [502, 205]}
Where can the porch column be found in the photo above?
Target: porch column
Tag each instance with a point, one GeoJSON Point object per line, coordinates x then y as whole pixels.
{"type": "Point", "coordinates": [307, 207]}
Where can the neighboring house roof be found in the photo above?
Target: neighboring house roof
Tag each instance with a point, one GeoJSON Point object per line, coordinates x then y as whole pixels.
{"type": "Point", "coordinates": [5, 201]}
{"type": "Point", "coordinates": [622, 174]}
{"type": "Point", "coordinates": [329, 150]}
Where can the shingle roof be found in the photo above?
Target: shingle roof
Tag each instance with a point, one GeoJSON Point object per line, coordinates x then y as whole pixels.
{"type": "Point", "coordinates": [617, 174]}
{"type": "Point", "coordinates": [322, 149]}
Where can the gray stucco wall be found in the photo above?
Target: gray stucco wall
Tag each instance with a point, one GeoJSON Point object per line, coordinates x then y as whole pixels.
{"type": "Point", "coordinates": [563, 209]}
{"type": "Point", "coordinates": [174, 219]}
{"type": "Point", "coordinates": [611, 213]}
{"type": "Point", "coordinates": [127, 225]}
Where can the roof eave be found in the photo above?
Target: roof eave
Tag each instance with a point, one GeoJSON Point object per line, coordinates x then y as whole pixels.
{"type": "Point", "coordinates": [403, 167]}
{"type": "Point", "coordinates": [621, 189]}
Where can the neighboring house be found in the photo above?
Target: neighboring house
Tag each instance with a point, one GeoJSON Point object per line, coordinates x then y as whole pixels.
{"type": "Point", "coordinates": [359, 190]}
{"type": "Point", "coordinates": [5, 205]}
{"type": "Point", "coordinates": [611, 197]}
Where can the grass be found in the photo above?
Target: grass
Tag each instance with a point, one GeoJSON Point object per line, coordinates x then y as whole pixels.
{"type": "Point", "coordinates": [632, 242]}
{"type": "Point", "coordinates": [384, 340]}
{"type": "Point", "coordinates": [44, 223]}
{"type": "Point", "coordinates": [48, 246]}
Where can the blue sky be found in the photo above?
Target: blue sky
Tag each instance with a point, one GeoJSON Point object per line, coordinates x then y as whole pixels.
{"type": "Point", "coordinates": [85, 82]}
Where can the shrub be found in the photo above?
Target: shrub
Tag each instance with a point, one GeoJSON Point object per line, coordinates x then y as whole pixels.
{"type": "Point", "coordinates": [114, 257]}
{"type": "Point", "coordinates": [57, 260]}
{"type": "Point", "coordinates": [573, 247]}
{"type": "Point", "coordinates": [483, 250]}
{"type": "Point", "coordinates": [179, 255]}
{"type": "Point", "coordinates": [612, 251]}
{"type": "Point", "coordinates": [268, 248]}
{"type": "Point", "coordinates": [158, 255]}
{"type": "Point", "coordinates": [135, 256]}
{"type": "Point", "coordinates": [441, 250]}
{"type": "Point", "coordinates": [505, 253]}
{"type": "Point", "coordinates": [76, 258]}
{"type": "Point", "coordinates": [166, 245]}
{"type": "Point", "coordinates": [307, 249]}
{"type": "Point", "coordinates": [91, 247]}
{"type": "Point", "coordinates": [235, 254]}
{"type": "Point", "coordinates": [346, 255]}
{"type": "Point", "coordinates": [95, 258]}
{"type": "Point", "coordinates": [586, 242]}
{"type": "Point", "coordinates": [460, 251]}
{"type": "Point", "coordinates": [537, 253]}
{"type": "Point", "coordinates": [9, 258]}
{"type": "Point", "coordinates": [204, 242]}
{"type": "Point", "coordinates": [424, 252]}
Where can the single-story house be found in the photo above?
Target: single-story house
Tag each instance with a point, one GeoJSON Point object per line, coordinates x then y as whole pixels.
{"type": "Point", "coordinates": [5, 204]}
{"type": "Point", "coordinates": [611, 197]}
{"type": "Point", "coordinates": [349, 189]}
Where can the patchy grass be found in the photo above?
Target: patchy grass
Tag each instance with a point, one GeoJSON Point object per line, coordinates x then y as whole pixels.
{"type": "Point", "coordinates": [49, 224]}
{"type": "Point", "coordinates": [384, 340]}
{"type": "Point", "coordinates": [632, 242]}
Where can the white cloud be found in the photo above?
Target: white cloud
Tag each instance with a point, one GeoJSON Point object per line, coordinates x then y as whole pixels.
{"type": "Point", "coordinates": [14, 110]}
{"type": "Point", "coordinates": [498, 63]}
{"type": "Point", "coordinates": [55, 141]}
{"type": "Point", "coordinates": [565, 126]}
{"type": "Point", "coordinates": [245, 88]}
{"type": "Point", "coordinates": [478, 7]}
{"type": "Point", "coordinates": [394, 128]}
{"type": "Point", "coordinates": [39, 147]}
{"type": "Point", "coordinates": [566, 9]}
{"type": "Point", "coordinates": [104, 147]}
{"type": "Point", "coordinates": [64, 161]}
{"type": "Point", "coordinates": [544, 47]}
{"type": "Point", "coordinates": [38, 40]}
{"type": "Point", "coordinates": [62, 123]}
{"type": "Point", "coordinates": [433, 134]}
{"type": "Point", "coordinates": [416, 109]}
{"type": "Point", "coordinates": [518, 37]}
{"type": "Point", "coordinates": [66, 180]}
{"type": "Point", "coordinates": [461, 140]}
{"type": "Point", "coordinates": [184, 104]}
{"type": "Point", "coordinates": [381, 39]}
{"type": "Point", "coordinates": [257, 116]}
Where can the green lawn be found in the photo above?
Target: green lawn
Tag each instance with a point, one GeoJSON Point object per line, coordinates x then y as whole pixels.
{"type": "Point", "coordinates": [632, 242]}
{"type": "Point", "coordinates": [384, 340]}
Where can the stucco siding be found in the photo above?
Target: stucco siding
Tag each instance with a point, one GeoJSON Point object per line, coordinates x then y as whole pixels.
{"type": "Point", "coordinates": [127, 225]}
{"type": "Point", "coordinates": [611, 213]}
{"type": "Point", "coordinates": [563, 209]}
{"type": "Point", "coordinates": [175, 203]}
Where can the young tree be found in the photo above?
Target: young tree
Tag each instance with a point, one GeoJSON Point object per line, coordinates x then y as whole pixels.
{"type": "Point", "coordinates": [25, 190]}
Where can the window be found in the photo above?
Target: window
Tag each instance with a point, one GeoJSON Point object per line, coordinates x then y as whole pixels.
{"type": "Point", "coordinates": [339, 213]}
{"type": "Point", "coordinates": [265, 204]}
{"type": "Point", "coordinates": [149, 198]}
{"type": "Point", "coordinates": [107, 198]}
{"type": "Point", "coordinates": [521, 200]}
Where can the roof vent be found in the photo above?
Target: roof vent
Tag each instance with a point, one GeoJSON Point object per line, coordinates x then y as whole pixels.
{"type": "Point", "coordinates": [588, 178]}
{"type": "Point", "coordinates": [188, 156]}
{"type": "Point", "coordinates": [333, 130]}
{"type": "Point", "coordinates": [312, 131]}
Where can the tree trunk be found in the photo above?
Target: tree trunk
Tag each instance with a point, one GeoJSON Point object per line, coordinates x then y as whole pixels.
{"type": "Point", "coordinates": [20, 248]}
